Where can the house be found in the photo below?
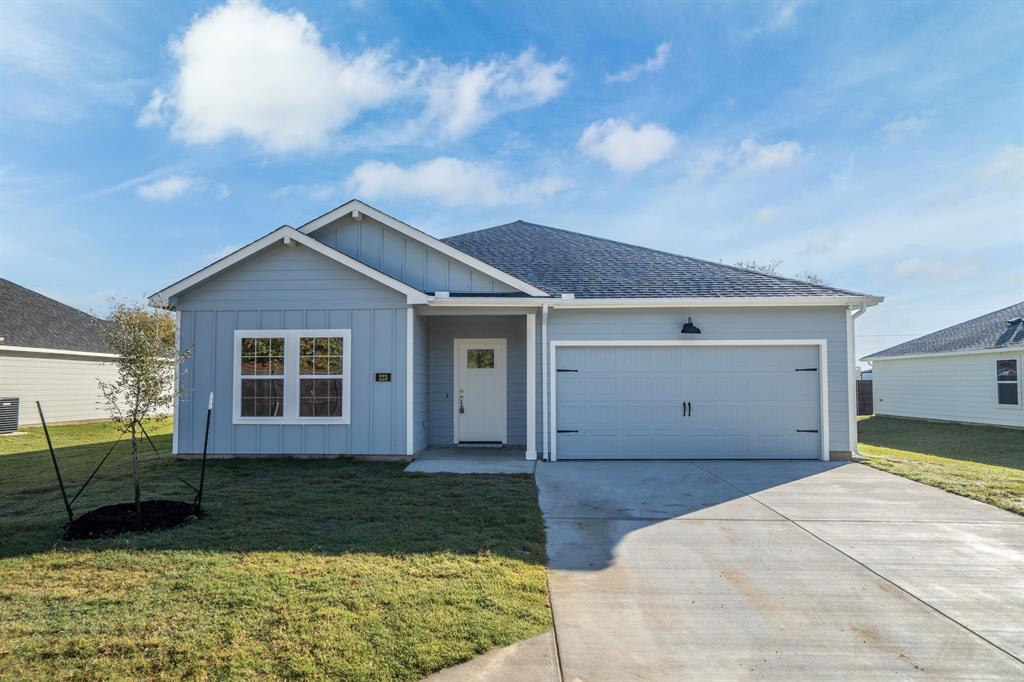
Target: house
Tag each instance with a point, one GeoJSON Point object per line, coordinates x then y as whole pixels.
{"type": "Point", "coordinates": [52, 353]}
{"type": "Point", "coordinates": [970, 372]}
{"type": "Point", "coordinates": [359, 334]}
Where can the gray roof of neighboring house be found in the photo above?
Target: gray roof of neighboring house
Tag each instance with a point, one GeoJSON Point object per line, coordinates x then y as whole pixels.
{"type": "Point", "coordinates": [559, 261]}
{"type": "Point", "coordinates": [988, 332]}
{"type": "Point", "coordinates": [32, 320]}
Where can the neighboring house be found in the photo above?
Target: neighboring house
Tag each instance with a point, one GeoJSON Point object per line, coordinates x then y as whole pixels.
{"type": "Point", "coordinates": [52, 353]}
{"type": "Point", "coordinates": [970, 372]}
{"type": "Point", "coordinates": [358, 334]}
{"type": "Point", "coordinates": [865, 375]}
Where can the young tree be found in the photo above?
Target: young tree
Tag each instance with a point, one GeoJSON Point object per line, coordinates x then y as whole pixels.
{"type": "Point", "coordinates": [147, 362]}
{"type": "Point", "coordinates": [772, 268]}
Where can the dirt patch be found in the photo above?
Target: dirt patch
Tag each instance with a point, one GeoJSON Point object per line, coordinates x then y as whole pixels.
{"type": "Point", "coordinates": [114, 519]}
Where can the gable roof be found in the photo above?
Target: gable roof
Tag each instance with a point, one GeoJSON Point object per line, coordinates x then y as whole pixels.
{"type": "Point", "coordinates": [993, 331]}
{"type": "Point", "coordinates": [287, 235]}
{"type": "Point", "coordinates": [358, 207]}
{"type": "Point", "coordinates": [30, 320]}
{"type": "Point", "coordinates": [559, 261]}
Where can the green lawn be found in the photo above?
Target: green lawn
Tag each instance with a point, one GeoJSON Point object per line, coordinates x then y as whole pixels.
{"type": "Point", "coordinates": [981, 462]}
{"type": "Point", "coordinates": [301, 569]}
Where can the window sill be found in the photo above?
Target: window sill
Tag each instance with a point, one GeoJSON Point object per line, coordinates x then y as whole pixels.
{"type": "Point", "coordinates": [298, 421]}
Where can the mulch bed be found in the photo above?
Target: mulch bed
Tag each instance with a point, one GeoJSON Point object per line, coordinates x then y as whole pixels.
{"type": "Point", "coordinates": [121, 518]}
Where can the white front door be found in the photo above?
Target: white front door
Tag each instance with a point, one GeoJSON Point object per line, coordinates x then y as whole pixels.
{"type": "Point", "coordinates": [480, 386]}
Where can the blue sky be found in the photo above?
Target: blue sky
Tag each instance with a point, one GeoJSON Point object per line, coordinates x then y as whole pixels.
{"type": "Point", "coordinates": [880, 146]}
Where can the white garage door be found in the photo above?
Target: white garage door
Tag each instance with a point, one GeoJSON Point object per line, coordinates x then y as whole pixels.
{"type": "Point", "coordinates": [687, 402]}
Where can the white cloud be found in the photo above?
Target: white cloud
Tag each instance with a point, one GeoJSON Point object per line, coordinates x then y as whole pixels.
{"type": "Point", "coordinates": [625, 148]}
{"type": "Point", "coordinates": [246, 70]}
{"type": "Point", "coordinates": [1007, 162]}
{"type": "Point", "coordinates": [768, 213]}
{"type": "Point", "coordinates": [463, 97]}
{"type": "Point", "coordinates": [901, 128]}
{"type": "Point", "coordinates": [452, 182]}
{"type": "Point", "coordinates": [167, 188]}
{"type": "Point", "coordinates": [747, 158]}
{"type": "Point", "coordinates": [783, 16]}
{"type": "Point", "coordinates": [633, 71]}
{"type": "Point", "coordinates": [223, 191]}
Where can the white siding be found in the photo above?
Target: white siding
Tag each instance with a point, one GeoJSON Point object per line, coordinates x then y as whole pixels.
{"type": "Point", "coordinates": [66, 385]}
{"type": "Point", "coordinates": [958, 388]}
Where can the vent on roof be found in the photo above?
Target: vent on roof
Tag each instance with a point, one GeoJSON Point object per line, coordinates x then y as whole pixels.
{"type": "Point", "coordinates": [1016, 320]}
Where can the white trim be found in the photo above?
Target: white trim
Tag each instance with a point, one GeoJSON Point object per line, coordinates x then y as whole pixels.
{"type": "Point", "coordinates": [851, 373]}
{"type": "Point", "coordinates": [682, 302]}
{"type": "Point", "coordinates": [821, 344]}
{"type": "Point", "coordinates": [163, 297]}
{"type": "Point", "coordinates": [457, 344]}
{"type": "Point", "coordinates": [531, 386]}
{"type": "Point", "coordinates": [423, 238]}
{"type": "Point", "coordinates": [291, 376]}
{"type": "Point", "coordinates": [544, 378]}
{"type": "Point", "coordinates": [410, 321]}
{"type": "Point", "coordinates": [1010, 350]}
{"type": "Point", "coordinates": [55, 351]}
{"type": "Point", "coordinates": [177, 378]}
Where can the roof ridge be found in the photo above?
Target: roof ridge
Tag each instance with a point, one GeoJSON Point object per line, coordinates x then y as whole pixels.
{"type": "Point", "coordinates": [946, 329]}
{"type": "Point", "coordinates": [665, 253]}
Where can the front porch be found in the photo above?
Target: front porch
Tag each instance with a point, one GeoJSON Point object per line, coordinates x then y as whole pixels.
{"type": "Point", "coordinates": [463, 460]}
{"type": "Point", "coordinates": [475, 384]}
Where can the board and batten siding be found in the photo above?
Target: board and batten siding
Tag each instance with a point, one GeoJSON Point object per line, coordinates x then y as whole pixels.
{"type": "Point", "coordinates": [443, 332]}
{"type": "Point", "coordinates": [67, 386]}
{"type": "Point", "coordinates": [959, 388]}
{"type": "Point", "coordinates": [661, 324]}
{"type": "Point", "coordinates": [293, 288]}
{"type": "Point", "coordinates": [421, 379]}
{"type": "Point", "coordinates": [403, 258]}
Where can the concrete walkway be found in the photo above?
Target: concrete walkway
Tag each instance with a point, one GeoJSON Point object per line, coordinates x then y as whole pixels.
{"type": "Point", "coordinates": [472, 461]}
{"type": "Point", "coordinates": [777, 570]}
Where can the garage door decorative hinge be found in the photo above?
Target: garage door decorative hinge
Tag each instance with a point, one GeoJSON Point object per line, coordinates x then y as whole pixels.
{"type": "Point", "coordinates": [807, 430]}
{"type": "Point", "coordinates": [568, 431]}
{"type": "Point", "coordinates": [806, 369]}
{"type": "Point", "coordinates": [566, 370]}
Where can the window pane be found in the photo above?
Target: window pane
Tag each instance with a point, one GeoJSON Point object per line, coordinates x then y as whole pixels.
{"type": "Point", "coordinates": [262, 397]}
{"type": "Point", "coordinates": [263, 356]}
{"type": "Point", "coordinates": [320, 397]}
{"type": "Point", "coordinates": [1006, 370]}
{"type": "Point", "coordinates": [482, 358]}
{"type": "Point", "coordinates": [320, 355]}
{"type": "Point", "coordinates": [1007, 394]}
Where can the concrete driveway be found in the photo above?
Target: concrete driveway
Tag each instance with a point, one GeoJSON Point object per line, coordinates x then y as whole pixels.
{"type": "Point", "coordinates": [780, 570]}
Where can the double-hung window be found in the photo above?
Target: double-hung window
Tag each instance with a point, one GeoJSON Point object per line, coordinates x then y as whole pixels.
{"type": "Point", "coordinates": [292, 376]}
{"type": "Point", "coordinates": [1007, 382]}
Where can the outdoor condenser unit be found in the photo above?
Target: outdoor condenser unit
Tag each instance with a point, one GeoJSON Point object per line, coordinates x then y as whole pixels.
{"type": "Point", "coordinates": [9, 415]}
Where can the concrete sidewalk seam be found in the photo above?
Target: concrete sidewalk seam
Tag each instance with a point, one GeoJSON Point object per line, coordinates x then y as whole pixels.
{"type": "Point", "coordinates": [868, 568]}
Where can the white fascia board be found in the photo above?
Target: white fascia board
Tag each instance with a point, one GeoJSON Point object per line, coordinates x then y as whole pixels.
{"type": "Point", "coordinates": [56, 351]}
{"type": "Point", "coordinates": [690, 302]}
{"type": "Point", "coordinates": [1013, 350]}
{"type": "Point", "coordinates": [162, 298]}
{"type": "Point", "coordinates": [423, 238]}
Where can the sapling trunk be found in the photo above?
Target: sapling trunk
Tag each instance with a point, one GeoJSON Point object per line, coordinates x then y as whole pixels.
{"type": "Point", "coordinates": [135, 474]}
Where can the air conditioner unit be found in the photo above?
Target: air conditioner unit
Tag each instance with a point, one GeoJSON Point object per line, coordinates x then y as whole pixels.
{"type": "Point", "coordinates": [9, 415]}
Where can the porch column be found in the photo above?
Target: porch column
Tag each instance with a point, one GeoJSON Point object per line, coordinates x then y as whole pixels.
{"type": "Point", "coordinates": [531, 386]}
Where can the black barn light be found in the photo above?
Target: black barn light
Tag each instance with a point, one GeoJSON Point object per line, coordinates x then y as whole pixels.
{"type": "Point", "coordinates": [689, 327]}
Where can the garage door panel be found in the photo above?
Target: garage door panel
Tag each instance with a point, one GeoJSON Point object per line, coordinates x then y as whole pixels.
{"type": "Point", "coordinates": [747, 402]}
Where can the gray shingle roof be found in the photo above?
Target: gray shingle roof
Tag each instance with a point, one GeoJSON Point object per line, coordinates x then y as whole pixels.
{"type": "Point", "coordinates": [32, 320]}
{"type": "Point", "coordinates": [559, 261]}
{"type": "Point", "coordinates": [988, 332]}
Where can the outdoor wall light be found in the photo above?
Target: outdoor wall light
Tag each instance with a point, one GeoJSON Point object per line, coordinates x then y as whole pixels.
{"type": "Point", "coordinates": [689, 327]}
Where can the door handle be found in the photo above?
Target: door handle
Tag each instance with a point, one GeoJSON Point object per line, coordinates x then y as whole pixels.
{"type": "Point", "coordinates": [462, 409]}
{"type": "Point", "coordinates": [687, 409]}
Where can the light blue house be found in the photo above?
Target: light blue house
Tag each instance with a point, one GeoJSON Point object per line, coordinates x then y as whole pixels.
{"type": "Point", "coordinates": [357, 334]}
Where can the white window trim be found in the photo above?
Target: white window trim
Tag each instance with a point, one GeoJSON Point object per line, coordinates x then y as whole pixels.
{"type": "Point", "coordinates": [821, 344]}
{"type": "Point", "coordinates": [1020, 389]}
{"type": "Point", "coordinates": [291, 376]}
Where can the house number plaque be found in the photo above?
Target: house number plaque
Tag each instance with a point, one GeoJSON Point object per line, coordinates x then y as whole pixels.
{"type": "Point", "coordinates": [383, 377]}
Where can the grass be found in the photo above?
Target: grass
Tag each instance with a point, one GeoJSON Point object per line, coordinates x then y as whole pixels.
{"type": "Point", "coordinates": [984, 463]}
{"type": "Point", "coordinates": [301, 569]}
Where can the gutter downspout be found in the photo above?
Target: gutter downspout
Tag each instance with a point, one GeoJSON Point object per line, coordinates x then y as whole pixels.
{"type": "Point", "coordinates": [851, 375]}
{"type": "Point", "coordinates": [544, 374]}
